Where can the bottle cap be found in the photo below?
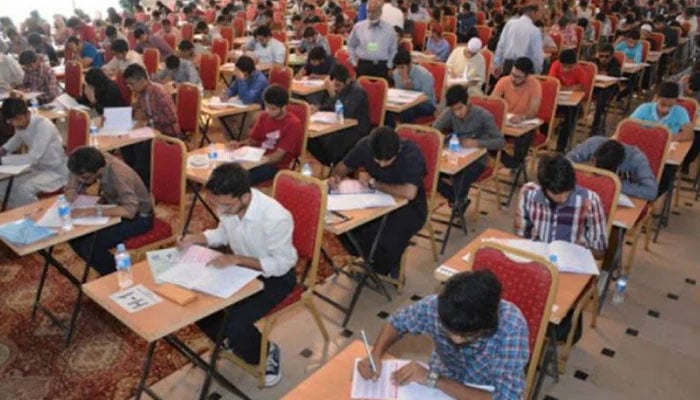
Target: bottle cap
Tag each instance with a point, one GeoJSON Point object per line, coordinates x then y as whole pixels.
{"type": "Point", "coordinates": [553, 258]}
{"type": "Point", "coordinates": [121, 247]}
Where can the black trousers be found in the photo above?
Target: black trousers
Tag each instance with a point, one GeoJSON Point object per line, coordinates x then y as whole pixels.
{"type": "Point", "coordinates": [461, 182]}
{"type": "Point", "coordinates": [372, 68]}
{"type": "Point", "coordinates": [602, 98]}
{"type": "Point", "coordinates": [568, 128]}
{"type": "Point", "coordinates": [138, 157]}
{"type": "Point", "coordinates": [263, 173]}
{"type": "Point", "coordinates": [107, 239]}
{"type": "Point", "coordinates": [692, 153]}
{"type": "Point", "coordinates": [667, 176]}
{"type": "Point", "coordinates": [244, 338]}
{"type": "Point", "coordinates": [399, 228]}
{"type": "Point", "coordinates": [330, 149]}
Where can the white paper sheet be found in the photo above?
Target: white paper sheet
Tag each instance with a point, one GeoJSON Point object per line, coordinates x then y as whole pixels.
{"type": "Point", "coordinates": [50, 219]}
{"type": "Point", "coordinates": [66, 101]}
{"type": "Point", "coordinates": [462, 152]}
{"type": "Point", "coordinates": [569, 257]}
{"type": "Point", "coordinates": [219, 282]}
{"type": "Point", "coordinates": [624, 201]}
{"type": "Point", "coordinates": [85, 201]}
{"type": "Point", "coordinates": [351, 186]}
{"type": "Point", "coordinates": [324, 117]}
{"type": "Point", "coordinates": [135, 298]}
{"type": "Point", "coordinates": [340, 202]}
{"type": "Point", "coordinates": [401, 96]}
{"type": "Point", "coordinates": [117, 120]}
{"type": "Point", "coordinates": [383, 388]}
{"type": "Point", "coordinates": [245, 153]}
{"type": "Point", "coordinates": [606, 78]}
{"type": "Point", "coordinates": [145, 132]}
{"type": "Point", "coordinates": [525, 122]}
{"type": "Point", "coordinates": [215, 102]}
{"type": "Point", "coordinates": [310, 82]}
{"type": "Point", "coordinates": [13, 169]}
{"type": "Point", "coordinates": [160, 261]}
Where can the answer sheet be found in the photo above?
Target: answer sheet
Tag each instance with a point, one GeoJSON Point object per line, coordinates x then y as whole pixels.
{"type": "Point", "coordinates": [384, 388]}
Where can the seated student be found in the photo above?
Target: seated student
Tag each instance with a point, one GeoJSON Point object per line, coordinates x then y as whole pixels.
{"type": "Point", "coordinates": [152, 106]}
{"type": "Point", "coordinates": [122, 57]}
{"type": "Point", "coordinates": [566, 29]}
{"type": "Point", "coordinates": [475, 128]}
{"type": "Point", "coordinates": [310, 16]}
{"type": "Point", "coordinates": [145, 40]}
{"type": "Point", "coordinates": [312, 39]}
{"type": "Point", "coordinates": [631, 47]}
{"type": "Point", "coordinates": [415, 77]}
{"type": "Point", "coordinates": [297, 27]}
{"type": "Point", "coordinates": [100, 91]}
{"type": "Point", "coordinates": [607, 65]}
{"type": "Point", "coordinates": [167, 28]}
{"type": "Point", "coordinates": [397, 167]}
{"type": "Point", "coordinates": [572, 77]}
{"type": "Point", "coordinates": [471, 327]}
{"type": "Point", "coordinates": [330, 149]}
{"type": "Point", "coordinates": [468, 62]}
{"type": "Point", "coordinates": [111, 36]}
{"type": "Point", "coordinates": [178, 71]}
{"type": "Point", "coordinates": [185, 50]}
{"type": "Point", "coordinates": [437, 44]}
{"type": "Point", "coordinates": [265, 49]}
{"type": "Point", "coordinates": [44, 153]}
{"type": "Point", "coordinates": [41, 47]}
{"type": "Point", "coordinates": [118, 185]}
{"type": "Point", "coordinates": [666, 110]}
{"type": "Point", "coordinates": [466, 20]}
{"type": "Point", "coordinates": [11, 73]}
{"type": "Point", "coordinates": [318, 64]}
{"type": "Point", "coordinates": [693, 91]}
{"type": "Point", "coordinates": [204, 36]}
{"type": "Point", "coordinates": [628, 162]}
{"type": "Point", "coordinates": [276, 130]}
{"type": "Point", "coordinates": [16, 42]}
{"type": "Point", "coordinates": [259, 232]}
{"type": "Point", "coordinates": [248, 84]}
{"type": "Point", "coordinates": [85, 52]}
{"type": "Point", "coordinates": [38, 77]}
{"type": "Point", "coordinates": [670, 40]}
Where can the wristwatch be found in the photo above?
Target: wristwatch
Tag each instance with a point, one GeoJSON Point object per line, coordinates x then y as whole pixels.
{"type": "Point", "coordinates": [431, 380]}
{"type": "Point", "coordinates": [372, 182]}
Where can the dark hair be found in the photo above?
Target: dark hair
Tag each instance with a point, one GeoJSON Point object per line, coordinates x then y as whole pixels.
{"type": "Point", "coordinates": [138, 32]}
{"type": "Point", "coordinates": [659, 19]}
{"type": "Point", "coordinates": [97, 78]}
{"type": "Point", "coordinates": [607, 48]}
{"type": "Point", "coordinates": [309, 31]}
{"type": "Point", "coordinates": [74, 39]}
{"type": "Point", "coordinates": [110, 31]}
{"type": "Point", "coordinates": [609, 155]}
{"type": "Point", "coordinates": [669, 90]}
{"type": "Point", "coordinates": [229, 179]}
{"type": "Point", "coordinates": [135, 71]}
{"type": "Point", "coordinates": [297, 17]}
{"type": "Point", "coordinates": [13, 107]}
{"type": "Point", "coordinates": [201, 27]}
{"type": "Point", "coordinates": [468, 303]}
{"type": "Point", "coordinates": [245, 64]}
{"type": "Point", "coordinates": [525, 65]}
{"type": "Point", "coordinates": [85, 159]}
{"type": "Point", "coordinates": [568, 57]}
{"type": "Point", "coordinates": [165, 22]}
{"type": "Point", "coordinates": [402, 57]}
{"type": "Point", "coordinates": [384, 143]}
{"type": "Point", "coordinates": [185, 45]}
{"type": "Point", "coordinates": [317, 53]}
{"type": "Point", "coordinates": [339, 73]}
{"type": "Point", "coordinates": [456, 94]}
{"type": "Point", "coordinates": [633, 34]}
{"type": "Point", "coordinates": [583, 23]}
{"type": "Point", "coordinates": [27, 57]}
{"type": "Point", "coordinates": [120, 46]}
{"type": "Point", "coordinates": [276, 95]}
{"type": "Point", "coordinates": [556, 174]}
{"type": "Point", "coordinates": [172, 62]}
{"type": "Point", "coordinates": [263, 31]}
{"type": "Point", "coordinates": [35, 39]}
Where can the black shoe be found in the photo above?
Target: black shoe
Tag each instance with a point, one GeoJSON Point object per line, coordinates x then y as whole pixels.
{"type": "Point", "coordinates": [273, 371]}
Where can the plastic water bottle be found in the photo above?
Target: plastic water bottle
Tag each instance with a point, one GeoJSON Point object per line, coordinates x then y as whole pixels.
{"type": "Point", "coordinates": [213, 154]}
{"type": "Point", "coordinates": [64, 213]}
{"type": "Point", "coordinates": [620, 290]}
{"type": "Point", "coordinates": [306, 169]}
{"type": "Point", "coordinates": [339, 112]}
{"type": "Point", "coordinates": [122, 259]}
{"type": "Point", "coordinates": [453, 148]}
{"type": "Point", "coordinates": [34, 104]}
{"type": "Point", "coordinates": [93, 135]}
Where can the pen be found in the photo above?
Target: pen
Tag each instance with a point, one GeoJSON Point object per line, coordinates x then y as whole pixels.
{"type": "Point", "coordinates": [340, 215]}
{"type": "Point", "coordinates": [369, 354]}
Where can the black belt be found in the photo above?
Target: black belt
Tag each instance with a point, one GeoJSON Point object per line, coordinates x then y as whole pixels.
{"type": "Point", "coordinates": [373, 62]}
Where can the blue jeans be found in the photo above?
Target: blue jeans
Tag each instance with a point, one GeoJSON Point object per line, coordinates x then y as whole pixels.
{"type": "Point", "coordinates": [421, 110]}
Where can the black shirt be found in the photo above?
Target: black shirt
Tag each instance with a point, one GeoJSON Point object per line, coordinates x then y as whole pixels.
{"type": "Point", "coordinates": [408, 167]}
{"type": "Point", "coordinates": [322, 69]}
{"type": "Point", "coordinates": [355, 105]}
{"type": "Point", "coordinates": [612, 69]}
{"type": "Point", "coordinates": [670, 36]}
{"type": "Point", "coordinates": [107, 96]}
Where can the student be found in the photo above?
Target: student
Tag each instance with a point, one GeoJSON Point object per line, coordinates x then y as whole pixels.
{"type": "Point", "coordinates": [415, 77]}
{"type": "Point", "coordinates": [397, 167]}
{"type": "Point", "coordinates": [631, 47]}
{"type": "Point", "coordinates": [276, 130]}
{"type": "Point", "coordinates": [118, 185]}
{"type": "Point", "coordinates": [437, 44]}
{"type": "Point", "coordinates": [468, 62]}
{"type": "Point", "coordinates": [38, 77]}
{"type": "Point", "coordinates": [11, 73]}
{"type": "Point", "coordinates": [310, 16]}
{"type": "Point", "coordinates": [574, 78]}
{"type": "Point", "coordinates": [44, 49]}
{"type": "Point", "coordinates": [167, 29]}
{"type": "Point", "coordinates": [100, 91]}
{"type": "Point", "coordinates": [297, 27]}
{"type": "Point", "coordinates": [145, 40]}
{"type": "Point", "coordinates": [87, 53]}
{"type": "Point", "coordinates": [178, 71]}
{"type": "Point", "coordinates": [259, 232]}
{"type": "Point", "coordinates": [466, 20]}
{"type": "Point", "coordinates": [607, 65]}
{"type": "Point", "coordinates": [628, 162]}
{"type": "Point", "coordinates": [264, 49]}
{"type": "Point", "coordinates": [44, 153]}
{"type": "Point", "coordinates": [330, 149]}
{"type": "Point", "coordinates": [312, 39]}
{"type": "Point", "coordinates": [479, 338]}
{"type": "Point", "coordinates": [112, 35]}
{"type": "Point", "coordinates": [566, 29]}
{"type": "Point", "coordinates": [122, 58]}
{"type": "Point", "coordinates": [185, 50]}
{"type": "Point", "coordinates": [318, 64]}
{"type": "Point", "coordinates": [249, 83]}
{"type": "Point", "coordinates": [475, 128]}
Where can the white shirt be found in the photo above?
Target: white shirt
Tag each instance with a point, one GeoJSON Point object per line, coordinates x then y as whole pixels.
{"type": "Point", "coordinates": [44, 144]}
{"type": "Point", "coordinates": [116, 64]}
{"type": "Point", "coordinates": [392, 15]}
{"type": "Point", "coordinates": [264, 232]}
{"type": "Point", "coordinates": [273, 53]}
{"type": "Point", "coordinates": [11, 73]}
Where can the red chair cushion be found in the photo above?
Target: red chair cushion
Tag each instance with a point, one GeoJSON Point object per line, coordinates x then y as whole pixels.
{"type": "Point", "coordinates": [426, 120]}
{"type": "Point", "coordinates": [159, 231]}
{"type": "Point", "coordinates": [292, 297]}
{"type": "Point", "coordinates": [488, 172]}
{"type": "Point", "coordinates": [539, 139]}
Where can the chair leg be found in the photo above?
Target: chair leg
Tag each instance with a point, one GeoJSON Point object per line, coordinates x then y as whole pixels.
{"type": "Point", "coordinates": [309, 303]}
{"type": "Point", "coordinates": [498, 193]}
{"type": "Point", "coordinates": [477, 203]}
{"type": "Point", "coordinates": [677, 192]}
{"type": "Point", "coordinates": [264, 343]}
{"type": "Point", "coordinates": [626, 267]}
{"type": "Point", "coordinates": [433, 242]}
{"type": "Point", "coordinates": [564, 355]}
{"type": "Point", "coordinates": [647, 233]}
{"type": "Point", "coordinates": [595, 300]}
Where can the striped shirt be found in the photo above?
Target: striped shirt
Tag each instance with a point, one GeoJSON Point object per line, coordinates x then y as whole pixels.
{"type": "Point", "coordinates": [580, 220]}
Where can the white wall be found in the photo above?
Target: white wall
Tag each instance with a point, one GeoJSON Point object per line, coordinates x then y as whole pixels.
{"type": "Point", "coordinates": [19, 10]}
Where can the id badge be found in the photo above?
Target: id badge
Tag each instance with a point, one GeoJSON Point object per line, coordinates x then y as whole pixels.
{"type": "Point", "coordinates": [372, 47]}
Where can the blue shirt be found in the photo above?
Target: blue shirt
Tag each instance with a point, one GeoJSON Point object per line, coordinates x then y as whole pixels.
{"type": "Point", "coordinates": [498, 360]}
{"type": "Point", "coordinates": [249, 90]}
{"type": "Point", "coordinates": [90, 51]}
{"type": "Point", "coordinates": [440, 48]}
{"type": "Point", "coordinates": [520, 38]}
{"type": "Point", "coordinates": [372, 42]}
{"type": "Point", "coordinates": [632, 53]}
{"type": "Point", "coordinates": [674, 120]}
{"type": "Point", "coordinates": [421, 80]}
{"type": "Point", "coordinates": [362, 12]}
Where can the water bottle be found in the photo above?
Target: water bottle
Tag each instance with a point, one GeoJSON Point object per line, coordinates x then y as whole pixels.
{"type": "Point", "coordinates": [553, 259]}
{"type": "Point", "coordinates": [306, 169]}
{"type": "Point", "coordinates": [64, 213]}
{"type": "Point", "coordinates": [34, 104]}
{"type": "Point", "coordinates": [453, 148]}
{"type": "Point", "coordinates": [122, 259]}
{"type": "Point", "coordinates": [93, 135]}
{"type": "Point", "coordinates": [620, 290]}
{"type": "Point", "coordinates": [339, 112]}
{"type": "Point", "coordinates": [213, 154]}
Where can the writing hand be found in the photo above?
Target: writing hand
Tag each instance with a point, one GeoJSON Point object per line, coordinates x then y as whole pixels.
{"type": "Point", "coordinates": [364, 178]}
{"type": "Point", "coordinates": [411, 372]}
{"type": "Point", "coordinates": [365, 368]}
{"type": "Point", "coordinates": [223, 260]}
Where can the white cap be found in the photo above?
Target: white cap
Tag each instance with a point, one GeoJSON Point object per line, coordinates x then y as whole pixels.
{"type": "Point", "coordinates": [646, 28]}
{"type": "Point", "coordinates": [474, 45]}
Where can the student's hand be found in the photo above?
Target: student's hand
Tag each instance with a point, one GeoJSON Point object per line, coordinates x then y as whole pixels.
{"type": "Point", "coordinates": [411, 372]}
{"type": "Point", "coordinates": [233, 145]}
{"type": "Point", "coordinates": [82, 212]}
{"type": "Point", "coordinates": [224, 96]}
{"type": "Point", "coordinates": [238, 74]}
{"type": "Point", "coordinates": [334, 182]}
{"type": "Point", "coordinates": [223, 260]}
{"type": "Point", "coordinates": [364, 178]}
{"type": "Point", "coordinates": [297, 51]}
{"type": "Point", "coordinates": [17, 94]}
{"type": "Point", "coordinates": [469, 143]}
{"type": "Point", "coordinates": [186, 241]}
{"type": "Point", "coordinates": [365, 368]}
{"type": "Point", "coordinates": [516, 119]}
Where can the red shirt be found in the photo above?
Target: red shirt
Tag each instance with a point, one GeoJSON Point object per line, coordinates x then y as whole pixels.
{"type": "Point", "coordinates": [574, 76]}
{"type": "Point", "coordinates": [285, 133]}
{"type": "Point", "coordinates": [87, 33]}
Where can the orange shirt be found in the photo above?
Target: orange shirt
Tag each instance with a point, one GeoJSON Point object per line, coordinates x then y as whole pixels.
{"type": "Point", "coordinates": [518, 97]}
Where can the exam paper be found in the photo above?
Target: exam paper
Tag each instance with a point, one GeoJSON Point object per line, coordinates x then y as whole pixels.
{"type": "Point", "coordinates": [13, 169]}
{"type": "Point", "coordinates": [117, 121]}
{"type": "Point", "coordinates": [245, 153]}
{"type": "Point", "coordinates": [566, 256]}
{"type": "Point", "coordinates": [160, 261]}
{"type": "Point", "coordinates": [624, 201]}
{"type": "Point", "coordinates": [351, 186]}
{"type": "Point", "coordinates": [310, 82]}
{"type": "Point", "coordinates": [219, 282]}
{"type": "Point", "coordinates": [402, 96]}
{"type": "Point", "coordinates": [324, 117]}
{"type": "Point", "coordinates": [215, 102]}
{"type": "Point", "coordinates": [340, 202]}
{"type": "Point", "coordinates": [383, 388]}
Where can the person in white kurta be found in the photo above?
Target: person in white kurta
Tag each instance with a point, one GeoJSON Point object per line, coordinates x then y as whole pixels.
{"type": "Point", "coordinates": [467, 63]}
{"type": "Point", "coordinates": [48, 169]}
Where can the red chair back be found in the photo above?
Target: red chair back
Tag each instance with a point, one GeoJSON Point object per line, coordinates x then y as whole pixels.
{"type": "Point", "coordinates": [646, 46]}
{"type": "Point", "coordinates": [342, 57]}
{"type": "Point", "coordinates": [376, 89]}
{"type": "Point", "coordinates": [187, 31]}
{"type": "Point", "coordinates": [604, 183]}
{"type": "Point", "coordinates": [613, 22]}
{"type": "Point", "coordinates": [550, 91]}
{"type": "Point", "coordinates": [123, 89]}
{"type": "Point", "coordinates": [210, 16]}
{"type": "Point", "coordinates": [620, 57]}
{"type": "Point", "coordinates": [449, 23]}
{"type": "Point", "coordinates": [557, 38]}
{"type": "Point", "coordinates": [220, 46]}
{"type": "Point", "coordinates": [438, 70]}
{"type": "Point", "coordinates": [321, 28]}
{"type": "Point", "coordinates": [690, 105]}
{"type": "Point", "coordinates": [591, 72]}
{"type": "Point", "coordinates": [485, 33]}
{"type": "Point", "coordinates": [170, 39]}
{"type": "Point", "coordinates": [188, 105]}
{"type": "Point", "coordinates": [597, 29]}
{"type": "Point", "coordinates": [301, 109]}
{"type": "Point", "coordinates": [656, 40]}
{"type": "Point", "coordinates": [209, 70]}
{"type": "Point", "coordinates": [168, 174]}
{"type": "Point", "coordinates": [227, 33]}
{"type": "Point", "coordinates": [156, 27]}
{"type": "Point", "coordinates": [74, 79]}
{"type": "Point", "coordinates": [430, 142]}
{"type": "Point", "coordinates": [420, 31]}
{"type": "Point", "coordinates": [107, 56]}
{"type": "Point", "coordinates": [281, 76]}
{"type": "Point", "coordinates": [131, 39]}
{"type": "Point", "coordinates": [488, 59]}
{"type": "Point", "coordinates": [406, 45]}
{"type": "Point", "coordinates": [451, 39]}
{"type": "Point", "coordinates": [335, 42]}
{"type": "Point", "coordinates": [151, 59]}
{"type": "Point", "coordinates": [238, 27]}
{"type": "Point", "coordinates": [651, 138]}
{"type": "Point", "coordinates": [78, 129]}
{"type": "Point", "coordinates": [281, 36]}
{"type": "Point", "coordinates": [480, 17]}
{"type": "Point", "coordinates": [494, 105]}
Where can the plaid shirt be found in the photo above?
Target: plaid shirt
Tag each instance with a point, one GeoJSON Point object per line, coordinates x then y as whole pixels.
{"type": "Point", "coordinates": [498, 360]}
{"type": "Point", "coordinates": [580, 220]}
{"type": "Point", "coordinates": [157, 107]}
{"type": "Point", "coordinates": [43, 80]}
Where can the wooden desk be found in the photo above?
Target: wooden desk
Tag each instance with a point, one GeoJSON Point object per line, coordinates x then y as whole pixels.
{"type": "Point", "coordinates": [201, 175]}
{"type": "Point", "coordinates": [318, 129]}
{"type": "Point", "coordinates": [241, 40]}
{"type": "Point", "coordinates": [677, 152]}
{"type": "Point", "coordinates": [53, 114]}
{"type": "Point", "coordinates": [626, 217]}
{"type": "Point", "coordinates": [109, 143]}
{"type": "Point", "coordinates": [230, 68]}
{"type": "Point", "coordinates": [653, 56]}
{"type": "Point", "coordinates": [670, 49]}
{"type": "Point", "coordinates": [208, 113]}
{"type": "Point", "coordinates": [448, 168]}
{"type": "Point", "coordinates": [362, 216]}
{"type": "Point", "coordinates": [295, 60]}
{"type": "Point", "coordinates": [398, 107]}
{"type": "Point", "coordinates": [604, 84]}
{"type": "Point", "coordinates": [632, 68]}
{"type": "Point", "coordinates": [570, 285]}
{"type": "Point", "coordinates": [570, 100]}
{"type": "Point", "coordinates": [419, 56]}
{"type": "Point", "coordinates": [520, 130]}
{"type": "Point", "coordinates": [300, 88]}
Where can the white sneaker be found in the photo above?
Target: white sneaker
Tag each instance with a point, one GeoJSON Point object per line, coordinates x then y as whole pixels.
{"type": "Point", "coordinates": [273, 370]}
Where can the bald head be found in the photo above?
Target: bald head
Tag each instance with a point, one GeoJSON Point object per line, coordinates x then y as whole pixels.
{"type": "Point", "coordinates": [374, 10]}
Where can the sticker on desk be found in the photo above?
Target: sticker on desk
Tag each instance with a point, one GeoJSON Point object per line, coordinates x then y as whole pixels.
{"type": "Point", "coordinates": [446, 271]}
{"type": "Point", "coordinates": [135, 298]}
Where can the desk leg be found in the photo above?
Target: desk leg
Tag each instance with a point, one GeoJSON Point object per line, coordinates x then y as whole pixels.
{"type": "Point", "coordinates": [229, 130]}
{"type": "Point", "coordinates": [144, 375]}
{"type": "Point", "coordinates": [7, 193]}
{"type": "Point", "coordinates": [520, 155]}
{"type": "Point", "coordinates": [204, 393]}
{"type": "Point", "coordinates": [665, 210]}
{"type": "Point", "coordinates": [204, 129]}
{"type": "Point", "coordinates": [612, 262]}
{"type": "Point", "coordinates": [42, 280]}
{"type": "Point", "coordinates": [548, 358]}
{"type": "Point", "coordinates": [196, 196]}
{"type": "Point", "coordinates": [459, 207]}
